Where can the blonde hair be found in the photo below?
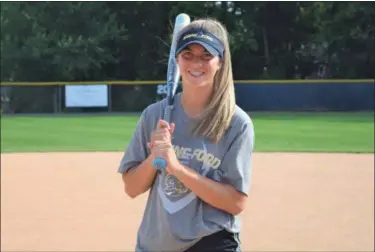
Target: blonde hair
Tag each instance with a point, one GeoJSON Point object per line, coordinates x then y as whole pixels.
{"type": "Point", "coordinates": [216, 117]}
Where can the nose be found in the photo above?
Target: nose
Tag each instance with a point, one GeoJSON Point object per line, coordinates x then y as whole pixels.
{"type": "Point", "coordinates": [197, 61]}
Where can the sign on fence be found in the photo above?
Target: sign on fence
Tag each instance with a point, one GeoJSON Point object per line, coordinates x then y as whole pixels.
{"type": "Point", "coordinates": [162, 89]}
{"type": "Point", "coordinates": [86, 95]}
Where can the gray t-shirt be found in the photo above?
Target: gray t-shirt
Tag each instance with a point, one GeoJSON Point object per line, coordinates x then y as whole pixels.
{"type": "Point", "coordinates": [175, 218]}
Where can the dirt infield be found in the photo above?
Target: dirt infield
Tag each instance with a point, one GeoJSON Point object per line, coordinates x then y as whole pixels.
{"type": "Point", "coordinates": [75, 202]}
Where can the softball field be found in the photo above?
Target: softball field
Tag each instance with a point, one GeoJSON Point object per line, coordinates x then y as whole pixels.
{"type": "Point", "coordinates": [320, 198]}
{"type": "Point", "coordinates": [76, 202]}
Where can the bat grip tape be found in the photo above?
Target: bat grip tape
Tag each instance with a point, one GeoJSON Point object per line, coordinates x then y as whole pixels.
{"type": "Point", "coordinates": [160, 163]}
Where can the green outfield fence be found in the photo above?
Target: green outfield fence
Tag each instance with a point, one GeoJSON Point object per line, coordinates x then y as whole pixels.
{"type": "Point", "coordinates": [134, 96]}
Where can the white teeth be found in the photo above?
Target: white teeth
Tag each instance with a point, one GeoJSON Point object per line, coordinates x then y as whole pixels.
{"type": "Point", "coordinates": [196, 73]}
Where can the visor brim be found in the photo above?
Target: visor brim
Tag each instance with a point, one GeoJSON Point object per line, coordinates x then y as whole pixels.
{"type": "Point", "coordinates": [206, 46]}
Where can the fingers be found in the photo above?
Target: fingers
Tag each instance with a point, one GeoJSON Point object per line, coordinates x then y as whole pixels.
{"type": "Point", "coordinates": [165, 125]}
{"type": "Point", "coordinates": [163, 132]}
{"type": "Point", "coordinates": [162, 124]}
{"type": "Point", "coordinates": [161, 144]}
{"type": "Point", "coordinates": [160, 148]}
{"type": "Point", "coordinates": [172, 126]}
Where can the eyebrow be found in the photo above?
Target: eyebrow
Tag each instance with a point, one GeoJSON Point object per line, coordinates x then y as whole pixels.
{"type": "Point", "coordinates": [188, 49]}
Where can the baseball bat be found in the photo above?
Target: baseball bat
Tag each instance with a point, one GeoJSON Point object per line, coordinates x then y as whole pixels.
{"type": "Point", "coordinates": [173, 77]}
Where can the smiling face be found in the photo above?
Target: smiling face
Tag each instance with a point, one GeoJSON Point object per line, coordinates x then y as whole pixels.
{"type": "Point", "coordinates": [197, 66]}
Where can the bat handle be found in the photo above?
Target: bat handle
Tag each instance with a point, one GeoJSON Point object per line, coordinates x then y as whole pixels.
{"type": "Point", "coordinates": [159, 164]}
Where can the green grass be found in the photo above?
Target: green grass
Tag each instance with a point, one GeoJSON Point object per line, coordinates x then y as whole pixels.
{"type": "Point", "coordinates": [291, 132]}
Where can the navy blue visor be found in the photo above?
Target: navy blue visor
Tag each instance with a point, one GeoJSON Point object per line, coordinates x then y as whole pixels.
{"type": "Point", "coordinates": [204, 38]}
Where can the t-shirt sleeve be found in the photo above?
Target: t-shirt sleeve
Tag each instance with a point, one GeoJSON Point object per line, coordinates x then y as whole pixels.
{"type": "Point", "coordinates": [136, 150]}
{"type": "Point", "coordinates": [236, 165]}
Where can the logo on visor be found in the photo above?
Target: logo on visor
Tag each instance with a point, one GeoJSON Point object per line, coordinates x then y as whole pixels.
{"type": "Point", "coordinates": [197, 35]}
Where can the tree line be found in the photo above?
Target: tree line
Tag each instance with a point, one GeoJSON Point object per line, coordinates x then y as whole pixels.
{"type": "Point", "coordinates": [80, 41]}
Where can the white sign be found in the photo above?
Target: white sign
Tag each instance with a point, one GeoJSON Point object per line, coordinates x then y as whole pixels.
{"type": "Point", "coordinates": [86, 95]}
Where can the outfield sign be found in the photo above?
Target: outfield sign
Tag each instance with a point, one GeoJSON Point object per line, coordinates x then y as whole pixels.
{"type": "Point", "coordinates": [86, 95]}
{"type": "Point", "coordinates": [162, 89]}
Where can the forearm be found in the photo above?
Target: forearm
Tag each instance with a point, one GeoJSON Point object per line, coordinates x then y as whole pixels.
{"type": "Point", "coordinates": [139, 179]}
{"type": "Point", "coordinates": [219, 195]}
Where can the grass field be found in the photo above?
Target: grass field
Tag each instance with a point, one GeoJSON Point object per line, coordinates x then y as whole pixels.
{"type": "Point", "coordinates": [281, 132]}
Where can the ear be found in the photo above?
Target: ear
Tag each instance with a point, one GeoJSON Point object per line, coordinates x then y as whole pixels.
{"type": "Point", "coordinates": [219, 65]}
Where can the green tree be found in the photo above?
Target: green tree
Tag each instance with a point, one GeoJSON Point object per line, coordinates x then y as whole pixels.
{"type": "Point", "coordinates": [46, 41]}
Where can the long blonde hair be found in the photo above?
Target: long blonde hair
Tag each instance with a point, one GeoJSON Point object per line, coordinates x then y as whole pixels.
{"type": "Point", "coordinates": [216, 117]}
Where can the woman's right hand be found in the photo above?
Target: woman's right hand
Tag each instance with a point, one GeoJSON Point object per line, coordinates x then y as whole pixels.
{"type": "Point", "coordinates": [161, 135]}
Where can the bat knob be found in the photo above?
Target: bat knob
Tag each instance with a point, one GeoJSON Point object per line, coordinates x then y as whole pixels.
{"type": "Point", "coordinates": [159, 164]}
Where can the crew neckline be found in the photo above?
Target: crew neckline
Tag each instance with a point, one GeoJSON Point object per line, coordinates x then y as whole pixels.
{"type": "Point", "coordinates": [178, 101]}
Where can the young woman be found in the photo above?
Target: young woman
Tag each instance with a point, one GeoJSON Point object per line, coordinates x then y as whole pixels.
{"type": "Point", "coordinates": [194, 204]}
